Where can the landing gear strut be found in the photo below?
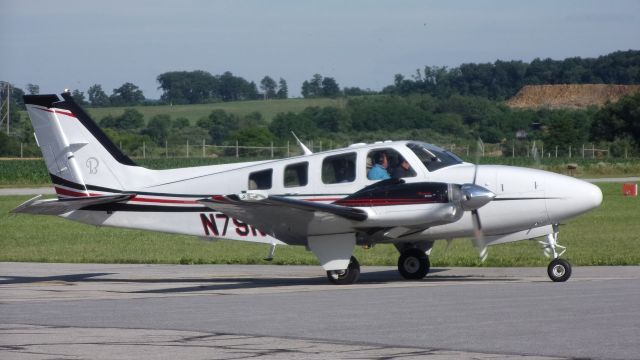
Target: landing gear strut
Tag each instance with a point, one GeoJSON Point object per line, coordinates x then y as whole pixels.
{"type": "Point", "coordinates": [413, 264]}
{"type": "Point", "coordinates": [345, 277]}
{"type": "Point", "coordinates": [559, 270]}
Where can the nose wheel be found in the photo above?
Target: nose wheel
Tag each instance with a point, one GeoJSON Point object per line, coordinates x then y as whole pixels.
{"type": "Point", "coordinates": [559, 270]}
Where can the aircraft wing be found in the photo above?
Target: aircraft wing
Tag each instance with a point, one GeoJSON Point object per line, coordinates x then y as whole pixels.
{"type": "Point", "coordinates": [37, 206]}
{"type": "Point", "coordinates": [289, 220]}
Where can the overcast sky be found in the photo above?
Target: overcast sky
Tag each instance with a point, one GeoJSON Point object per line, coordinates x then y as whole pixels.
{"type": "Point", "coordinates": [77, 43]}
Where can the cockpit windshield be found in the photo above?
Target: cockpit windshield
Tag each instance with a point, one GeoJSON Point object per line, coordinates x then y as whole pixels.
{"type": "Point", "coordinates": [433, 157]}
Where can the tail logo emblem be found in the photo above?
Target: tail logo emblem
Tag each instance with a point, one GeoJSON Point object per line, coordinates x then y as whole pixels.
{"type": "Point", "coordinates": [92, 164]}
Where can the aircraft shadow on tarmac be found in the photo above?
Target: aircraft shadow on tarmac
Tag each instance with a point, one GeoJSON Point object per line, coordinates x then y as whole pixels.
{"type": "Point", "coordinates": [71, 278]}
{"type": "Point", "coordinates": [245, 282]}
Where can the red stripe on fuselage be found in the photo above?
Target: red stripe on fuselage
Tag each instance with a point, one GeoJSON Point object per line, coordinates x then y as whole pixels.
{"type": "Point", "coordinates": [323, 199]}
{"type": "Point", "coordinates": [67, 113]}
{"type": "Point", "coordinates": [61, 191]}
{"type": "Point", "coordinates": [349, 202]}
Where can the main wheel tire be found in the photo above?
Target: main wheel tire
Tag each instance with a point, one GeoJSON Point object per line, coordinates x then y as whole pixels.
{"type": "Point", "coordinates": [413, 264]}
{"type": "Point", "coordinates": [345, 277]}
{"type": "Point", "coordinates": [559, 270]}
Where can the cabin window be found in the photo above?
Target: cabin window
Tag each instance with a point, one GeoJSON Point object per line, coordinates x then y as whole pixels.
{"type": "Point", "coordinates": [433, 157]}
{"type": "Point", "coordinates": [296, 174]}
{"type": "Point", "coordinates": [388, 163]}
{"type": "Point", "coordinates": [260, 180]}
{"type": "Point", "coordinates": [339, 169]}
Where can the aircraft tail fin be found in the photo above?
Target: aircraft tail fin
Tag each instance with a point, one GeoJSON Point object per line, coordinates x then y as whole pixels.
{"type": "Point", "coordinates": [76, 151]}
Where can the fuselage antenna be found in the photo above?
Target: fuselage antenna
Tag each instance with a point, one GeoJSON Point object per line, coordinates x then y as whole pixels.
{"type": "Point", "coordinates": [304, 148]}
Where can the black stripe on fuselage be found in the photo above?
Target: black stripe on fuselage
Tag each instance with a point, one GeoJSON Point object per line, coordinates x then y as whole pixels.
{"type": "Point", "coordinates": [60, 181]}
{"type": "Point", "coordinates": [113, 207]}
{"type": "Point", "coordinates": [524, 198]}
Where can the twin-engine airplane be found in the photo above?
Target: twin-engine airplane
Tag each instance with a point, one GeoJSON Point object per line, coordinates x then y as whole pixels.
{"type": "Point", "coordinates": [325, 201]}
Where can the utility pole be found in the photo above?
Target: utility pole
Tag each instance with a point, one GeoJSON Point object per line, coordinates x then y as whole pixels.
{"type": "Point", "coordinates": [7, 114]}
{"type": "Point", "coordinates": [8, 106]}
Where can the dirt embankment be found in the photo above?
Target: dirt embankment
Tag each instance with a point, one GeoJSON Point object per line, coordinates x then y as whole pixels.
{"type": "Point", "coordinates": [569, 95]}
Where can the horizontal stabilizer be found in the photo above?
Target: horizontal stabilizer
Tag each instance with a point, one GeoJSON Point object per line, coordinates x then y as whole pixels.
{"type": "Point", "coordinates": [37, 206]}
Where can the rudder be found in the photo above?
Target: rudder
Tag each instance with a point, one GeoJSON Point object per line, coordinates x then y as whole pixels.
{"type": "Point", "coordinates": [76, 151]}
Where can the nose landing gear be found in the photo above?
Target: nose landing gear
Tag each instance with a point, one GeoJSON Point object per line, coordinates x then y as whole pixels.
{"type": "Point", "coordinates": [559, 270]}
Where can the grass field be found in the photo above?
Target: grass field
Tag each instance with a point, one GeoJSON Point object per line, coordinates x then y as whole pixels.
{"type": "Point", "coordinates": [609, 235]}
{"type": "Point", "coordinates": [268, 108]}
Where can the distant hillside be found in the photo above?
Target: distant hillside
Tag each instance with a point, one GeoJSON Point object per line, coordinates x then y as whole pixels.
{"type": "Point", "coordinates": [569, 95]}
{"type": "Point", "coordinates": [268, 108]}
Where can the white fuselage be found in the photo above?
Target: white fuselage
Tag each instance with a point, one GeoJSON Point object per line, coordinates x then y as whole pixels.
{"type": "Point", "coordinates": [527, 201]}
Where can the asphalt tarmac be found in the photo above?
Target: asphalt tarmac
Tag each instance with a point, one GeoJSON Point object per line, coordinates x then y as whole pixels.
{"type": "Point", "coordinates": [98, 311]}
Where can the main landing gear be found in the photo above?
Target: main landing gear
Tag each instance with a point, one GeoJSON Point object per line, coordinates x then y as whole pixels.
{"type": "Point", "coordinates": [345, 277]}
{"type": "Point", "coordinates": [413, 264]}
{"type": "Point", "coordinates": [559, 270]}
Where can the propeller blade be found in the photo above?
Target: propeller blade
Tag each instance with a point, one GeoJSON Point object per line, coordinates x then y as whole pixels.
{"type": "Point", "coordinates": [479, 148]}
{"type": "Point", "coordinates": [478, 240]}
{"type": "Point", "coordinates": [536, 156]}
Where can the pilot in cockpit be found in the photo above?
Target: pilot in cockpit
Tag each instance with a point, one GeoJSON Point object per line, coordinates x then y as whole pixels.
{"type": "Point", "coordinates": [379, 169]}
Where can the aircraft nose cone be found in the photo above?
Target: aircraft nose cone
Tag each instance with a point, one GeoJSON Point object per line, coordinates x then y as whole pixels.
{"type": "Point", "coordinates": [570, 197]}
{"type": "Point", "coordinates": [593, 196]}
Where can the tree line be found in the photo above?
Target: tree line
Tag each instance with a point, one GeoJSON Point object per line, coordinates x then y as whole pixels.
{"type": "Point", "coordinates": [496, 81]}
{"type": "Point", "coordinates": [436, 103]}
{"type": "Point", "coordinates": [502, 79]}
{"type": "Point", "coordinates": [456, 119]}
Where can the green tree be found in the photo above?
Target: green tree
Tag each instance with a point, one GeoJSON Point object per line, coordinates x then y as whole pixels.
{"type": "Point", "coordinates": [8, 145]}
{"type": "Point", "coordinates": [131, 119]}
{"type": "Point", "coordinates": [97, 97]}
{"type": "Point", "coordinates": [283, 90]}
{"type": "Point", "coordinates": [130, 143]}
{"type": "Point", "coordinates": [356, 91]}
{"type": "Point", "coordinates": [618, 120]}
{"type": "Point", "coordinates": [158, 128]}
{"type": "Point", "coordinates": [188, 87]}
{"type": "Point", "coordinates": [315, 85]}
{"type": "Point", "coordinates": [329, 118]}
{"type": "Point", "coordinates": [78, 96]}
{"type": "Point", "coordinates": [268, 87]}
{"type": "Point", "coordinates": [33, 89]}
{"type": "Point", "coordinates": [180, 123]}
{"type": "Point", "coordinates": [127, 95]}
{"type": "Point", "coordinates": [253, 119]}
{"type": "Point", "coordinates": [283, 123]}
{"type": "Point", "coordinates": [330, 87]}
{"type": "Point", "coordinates": [255, 136]}
{"type": "Point", "coordinates": [220, 125]}
{"type": "Point", "coordinates": [233, 88]}
{"type": "Point", "coordinates": [306, 89]}
{"type": "Point", "coordinates": [108, 121]}
{"type": "Point", "coordinates": [565, 128]}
